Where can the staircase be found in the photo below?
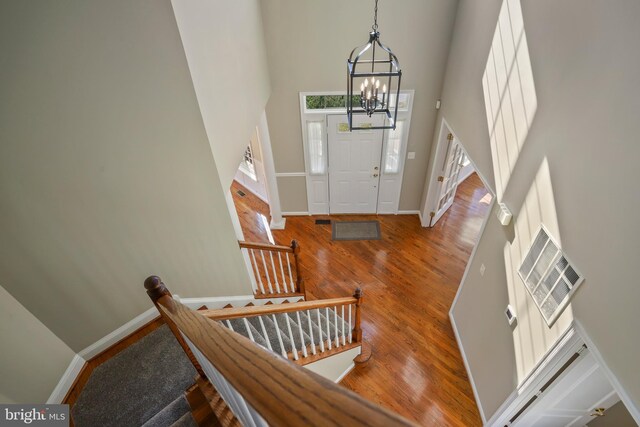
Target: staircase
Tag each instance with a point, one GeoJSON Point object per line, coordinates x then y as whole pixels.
{"type": "Point", "coordinates": [251, 356]}
{"type": "Point", "coordinates": [249, 359]}
{"type": "Point", "coordinates": [303, 332]}
{"type": "Point", "coordinates": [275, 269]}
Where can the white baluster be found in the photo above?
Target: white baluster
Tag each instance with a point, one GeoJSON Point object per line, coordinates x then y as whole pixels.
{"type": "Point", "coordinates": [304, 347]}
{"type": "Point", "coordinates": [335, 318]}
{"type": "Point", "coordinates": [293, 286]}
{"type": "Point", "coordinates": [266, 271]}
{"type": "Point", "coordinates": [284, 278]}
{"type": "Point", "coordinates": [229, 325]}
{"type": "Point", "coordinates": [258, 275]}
{"type": "Point", "coordinates": [350, 331]}
{"type": "Point", "coordinates": [293, 343]}
{"type": "Point", "coordinates": [313, 345]}
{"type": "Point", "coordinates": [275, 273]}
{"type": "Point", "coordinates": [344, 337]}
{"type": "Point", "coordinates": [326, 312]}
{"type": "Point", "coordinates": [321, 341]}
{"type": "Point", "coordinates": [264, 332]}
{"type": "Point", "coordinates": [246, 325]}
{"type": "Point", "coordinates": [275, 322]}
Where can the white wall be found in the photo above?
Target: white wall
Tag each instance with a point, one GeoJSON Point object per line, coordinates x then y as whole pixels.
{"type": "Point", "coordinates": [224, 44]}
{"type": "Point", "coordinates": [576, 172]}
{"type": "Point", "coordinates": [106, 173]}
{"type": "Point", "coordinates": [32, 359]}
{"type": "Point", "coordinates": [308, 43]}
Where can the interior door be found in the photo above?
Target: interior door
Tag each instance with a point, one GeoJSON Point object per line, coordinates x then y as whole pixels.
{"type": "Point", "coordinates": [450, 165]}
{"type": "Point", "coordinates": [580, 394]}
{"type": "Point", "coordinates": [354, 164]}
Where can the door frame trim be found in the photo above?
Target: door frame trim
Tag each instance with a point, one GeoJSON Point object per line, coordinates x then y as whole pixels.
{"type": "Point", "coordinates": [431, 198]}
{"type": "Point", "coordinates": [313, 207]}
{"type": "Point", "coordinates": [572, 339]}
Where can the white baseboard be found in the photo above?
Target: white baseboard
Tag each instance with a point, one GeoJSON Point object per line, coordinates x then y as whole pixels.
{"type": "Point", "coordinates": [146, 317]}
{"type": "Point", "coordinates": [344, 374]}
{"type": "Point", "coordinates": [139, 321]}
{"type": "Point", "coordinates": [67, 379]}
{"type": "Point", "coordinates": [122, 332]}
{"type": "Point", "coordinates": [295, 213]}
{"type": "Point", "coordinates": [466, 366]}
{"type": "Point", "coordinates": [409, 212]}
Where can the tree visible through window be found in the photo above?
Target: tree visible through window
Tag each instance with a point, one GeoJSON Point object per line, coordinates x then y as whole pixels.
{"type": "Point", "coordinates": [323, 102]}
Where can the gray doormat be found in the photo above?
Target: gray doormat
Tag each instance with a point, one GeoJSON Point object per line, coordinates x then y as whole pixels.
{"type": "Point", "coordinates": [355, 230]}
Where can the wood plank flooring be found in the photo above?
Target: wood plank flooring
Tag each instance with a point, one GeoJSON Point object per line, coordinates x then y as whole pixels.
{"type": "Point", "coordinates": [409, 279]}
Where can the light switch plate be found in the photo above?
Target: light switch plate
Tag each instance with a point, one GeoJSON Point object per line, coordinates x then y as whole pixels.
{"type": "Point", "coordinates": [482, 269]}
{"type": "Point", "coordinates": [411, 155]}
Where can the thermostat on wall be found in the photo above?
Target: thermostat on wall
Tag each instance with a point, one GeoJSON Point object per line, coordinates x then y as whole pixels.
{"type": "Point", "coordinates": [504, 214]}
{"type": "Point", "coordinates": [511, 315]}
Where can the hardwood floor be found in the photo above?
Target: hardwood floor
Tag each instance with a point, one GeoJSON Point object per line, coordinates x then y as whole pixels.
{"type": "Point", "coordinates": [409, 278]}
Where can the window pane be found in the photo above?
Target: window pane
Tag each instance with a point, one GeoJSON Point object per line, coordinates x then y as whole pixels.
{"type": "Point", "coordinates": [403, 101]}
{"type": "Point", "coordinates": [392, 153]}
{"type": "Point", "coordinates": [317, 155]}
{"type": "Point", "coordinates": [320, 102]}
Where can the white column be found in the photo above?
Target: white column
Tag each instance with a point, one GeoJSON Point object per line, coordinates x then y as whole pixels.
{"type": "Point", "coordinates": [277, 221]}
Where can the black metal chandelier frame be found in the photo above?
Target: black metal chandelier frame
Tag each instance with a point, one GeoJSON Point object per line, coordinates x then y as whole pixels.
{"type": "Point", "coordinates": [389, 63]}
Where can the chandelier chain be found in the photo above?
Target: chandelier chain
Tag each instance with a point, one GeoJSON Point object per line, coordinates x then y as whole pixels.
{"type": "Point", "coordinates": [375, 17]}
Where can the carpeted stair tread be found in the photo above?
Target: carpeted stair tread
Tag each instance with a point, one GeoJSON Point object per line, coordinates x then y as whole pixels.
{"type": "Point", "coordinates": [185, 421]}
{"type": "Point", "coordinates": [134, 385]}
{"type": "Point", "coordinates": [170, 414]}
{"type": "Point", "coordinates": [270, 326]}
{"type": "Point", "coordinates": [319, 331]}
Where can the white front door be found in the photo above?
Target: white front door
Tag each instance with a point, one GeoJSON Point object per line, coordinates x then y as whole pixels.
{"type": "Point", "coordinates": [580, 394]}
{"type": "Point", "coordinates": [450, 164]}
{"type": "Point", "coordinates": [354, 164]}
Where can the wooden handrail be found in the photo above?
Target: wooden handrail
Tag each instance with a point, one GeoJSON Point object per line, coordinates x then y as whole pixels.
{"type": "Point", "coordinates": [260, 310]}
{"type": "Point", "coordinates": [265, 246]}
{"type": "Point", "coordinates": [281, 392]}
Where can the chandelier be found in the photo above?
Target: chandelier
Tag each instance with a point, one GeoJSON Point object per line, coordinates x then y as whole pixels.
{"type": "Point", "coordinates": [366, 73]}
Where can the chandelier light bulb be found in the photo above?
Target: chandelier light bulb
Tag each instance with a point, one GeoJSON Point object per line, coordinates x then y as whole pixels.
{"type": "Point", "coordinates": [377, 84]}
{"type": "Point", "coordinates": [384, 88]}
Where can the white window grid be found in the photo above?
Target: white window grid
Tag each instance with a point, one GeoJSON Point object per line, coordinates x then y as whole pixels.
{"type": "Point", "coordinates": [549, 276]}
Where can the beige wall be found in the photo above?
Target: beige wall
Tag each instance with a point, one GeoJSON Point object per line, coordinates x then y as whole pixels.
{"type": "Point", "coordinates": [308, 43]}
{"type": "Point", "coordinates": [224, 45]}
{"type": "Point", "coordinates": [289, 188]}
{"type": "Point", "coordinates": [576, 172]}
{"type": "Point", "coordinates": [32, 359]}
{"type": "Point", "coordinates": [106, 174]}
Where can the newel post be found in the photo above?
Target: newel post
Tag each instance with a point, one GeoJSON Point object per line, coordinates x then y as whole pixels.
{"type": "Point", "coordinates": [299, 281]}
{"type": "Point", "coordinates": [357, 330]}
{"type": "Point", "coordinates": [156, 289]}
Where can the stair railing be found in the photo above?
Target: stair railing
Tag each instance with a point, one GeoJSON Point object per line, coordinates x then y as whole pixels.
{"type": "Point", "coordinates": [336, 321]}
{"type": "Point", "coordinates": [275, 268]}
{"type": "Point", "coordinates": [258, 386]}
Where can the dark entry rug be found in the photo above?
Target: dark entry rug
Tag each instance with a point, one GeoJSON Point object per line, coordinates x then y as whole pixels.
{"type": "Point", "coordinates": [355, 230]}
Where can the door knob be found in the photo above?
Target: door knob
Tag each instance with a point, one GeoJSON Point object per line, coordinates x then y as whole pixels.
{"type": "Point", "coordinates": [375, 175]}
{"type": "Point", "coordinates": [598, 412]}
{"type": "Point", "coordinates": [375, 169]}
